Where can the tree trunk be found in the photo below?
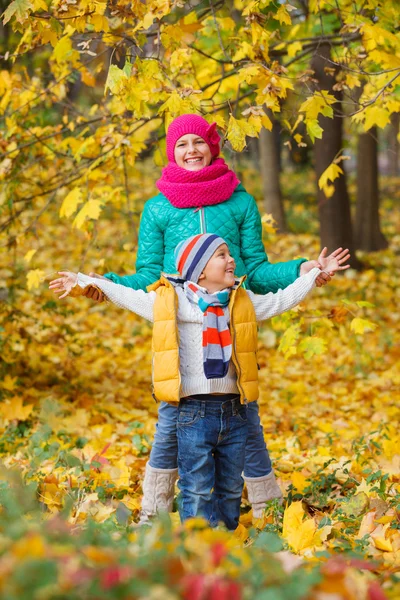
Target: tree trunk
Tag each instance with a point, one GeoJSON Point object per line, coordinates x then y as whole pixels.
{"type": "Point", "coordinates": [367, 225]}
{"type": "Point", "coordinates": [270, 171]}
{"type": "Point", "coordinates": [334, 212]}
{"type": "Point", "coordinates": [393, 146]}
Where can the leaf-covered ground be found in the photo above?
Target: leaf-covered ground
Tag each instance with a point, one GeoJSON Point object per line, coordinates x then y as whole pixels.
{"type": "Point", "coordinates": [77, 420]}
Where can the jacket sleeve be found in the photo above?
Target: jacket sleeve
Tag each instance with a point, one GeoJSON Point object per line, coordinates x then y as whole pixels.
{"type": "Point", "coordinates": [263, 276]}
{"type": "Point", "coordinates": [137, 301]}
{"type": "Point", "coordinates": [272, 304]}
{"type": "Point", "coordinates": [150, 256]}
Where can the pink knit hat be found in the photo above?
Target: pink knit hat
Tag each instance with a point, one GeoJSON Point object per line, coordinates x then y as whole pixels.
{"type": "Point", "coordinates": [192, 124]}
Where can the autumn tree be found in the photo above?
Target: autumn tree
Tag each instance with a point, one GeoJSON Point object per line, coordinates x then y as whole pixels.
{"type": "Point", "coordinates": [66, 144]}
{"type": "Point", "coordinates": [369, 236]}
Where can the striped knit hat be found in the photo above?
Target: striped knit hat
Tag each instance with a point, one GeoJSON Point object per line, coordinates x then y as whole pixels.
{"type": "Point", "coordinates": [193, 254]}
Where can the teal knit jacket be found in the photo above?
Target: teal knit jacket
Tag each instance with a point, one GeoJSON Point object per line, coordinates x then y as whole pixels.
{"type": "Point", "coordinates": [237, 220]}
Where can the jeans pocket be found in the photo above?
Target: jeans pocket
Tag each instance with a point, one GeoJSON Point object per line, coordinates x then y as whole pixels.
{"type": "Point", "coordinates": [242, 414]}
{"type": "Point", "coordinates": [188, 416]}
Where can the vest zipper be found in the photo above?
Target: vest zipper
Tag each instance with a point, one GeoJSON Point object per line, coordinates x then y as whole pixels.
{"type": "Point", "coordinates": [176, 301]}
{"type": "Point", "coordinates": [237, 360]}
{"type": "Point", "coordinates": [152, 379]}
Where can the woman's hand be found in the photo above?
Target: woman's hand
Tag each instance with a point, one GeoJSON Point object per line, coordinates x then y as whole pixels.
{"type": "Point", "coordinates": [335, 261]}
{"type": "Point", "coordinates": [64, 283]}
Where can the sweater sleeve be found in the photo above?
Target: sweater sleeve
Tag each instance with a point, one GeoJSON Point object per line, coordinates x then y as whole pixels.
{"type": "Point", "coordinates": [137, 301]}
{"type": "Point", "coordinates": [270, 305]}
{"type": "Point", "coordinates": [150, 256]}
{"type": "Point", "coordinates": [263, 276]}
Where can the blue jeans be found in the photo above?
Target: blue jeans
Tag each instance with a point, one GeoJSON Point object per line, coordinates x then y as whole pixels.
{"type": "Point", "coordinates": [212, 437]}
{"type": "Point", "coordinates": [164, 453]}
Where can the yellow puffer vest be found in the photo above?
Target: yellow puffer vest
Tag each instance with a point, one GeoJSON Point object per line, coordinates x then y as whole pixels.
{"type": "Point", "coordinates": [243, 328]}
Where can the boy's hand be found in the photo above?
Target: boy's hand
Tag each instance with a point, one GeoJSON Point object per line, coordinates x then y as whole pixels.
{"type": "Point", "coordinates": [335, 261]}
{"type": "Point", "coordinates": [64, 283]}
{"type": "Point", "coordinates": [92, 292]}
{"type": "Point", "coordinates": [322, 279]}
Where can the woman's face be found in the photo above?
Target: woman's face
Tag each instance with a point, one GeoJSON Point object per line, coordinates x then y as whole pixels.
{"type": "Point", "coordinates": [192, 152]}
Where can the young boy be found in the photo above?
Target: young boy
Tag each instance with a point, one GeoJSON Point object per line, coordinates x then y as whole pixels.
{"type": "Point", "coordinates": [204, 358]}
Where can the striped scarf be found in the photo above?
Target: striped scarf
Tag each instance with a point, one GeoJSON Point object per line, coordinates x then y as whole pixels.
{"type": "Point", "coordinates": [217, 342]}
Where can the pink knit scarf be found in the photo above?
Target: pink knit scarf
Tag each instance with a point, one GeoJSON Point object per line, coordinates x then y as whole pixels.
{"type": "Point", "coordinates": [185, 189]}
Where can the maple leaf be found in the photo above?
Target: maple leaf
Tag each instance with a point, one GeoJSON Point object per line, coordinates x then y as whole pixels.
{"type": "Point", "coordinates": [14, 409]}
{"type": "Point", "coordinates": [330, 174]}
{"type": "Point", "coordinates": [34, 278]}
{"type": "Point", "coordinates": [90, 210]}
{"type": "Point", "coordinates": [283, 16]}
{"type": "Point", "coordinates": [71, 202]}
{"type": "Point", "coordinates": [376, 115]}
{"type": "Point", "coordinates": [314, 130]}
{"type": "Point", "coordinates": [312, 346]}
{"type": "Point", "coordinates": [288, 340]}
{"type": "Point", "coordinates": [18, 9]}
{"type": "Point", "coordinates": [9, 383]}
{"type": "Point", "coordinates": [237, 131]}
{"type": "Point", "coordinates": [362, 325]}
{"type": "Point", "coordinates": [298, 532]}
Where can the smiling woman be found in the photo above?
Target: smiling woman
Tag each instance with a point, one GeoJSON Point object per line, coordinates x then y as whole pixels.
{"type": "Point", "coordinates": [192, 153]}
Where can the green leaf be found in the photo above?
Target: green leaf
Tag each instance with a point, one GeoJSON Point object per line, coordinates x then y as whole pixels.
{"type": "Point", "coordinates": [269, 541]}
{"type": "Point", "coordinates": [314, 130]}
{"type": "Point", "coordinates": [18, 9]}
{"type": "Point", "coordinates": [312, 346]}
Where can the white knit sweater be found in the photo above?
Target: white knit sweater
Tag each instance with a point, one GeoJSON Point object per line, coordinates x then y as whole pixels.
{"type": "Point", "coordinates": [190, 319]}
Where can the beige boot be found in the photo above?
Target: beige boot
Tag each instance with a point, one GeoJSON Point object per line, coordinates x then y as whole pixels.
{"type": "Point", "coordinates": [261, 490]}
{"type": "Point", "coordinates": [158, 492]}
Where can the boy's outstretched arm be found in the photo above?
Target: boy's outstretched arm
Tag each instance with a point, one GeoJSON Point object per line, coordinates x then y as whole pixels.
{"type": "Point", "coordinates": [137, 301]}
{"type": "Point", "coordinates": [272, 304]}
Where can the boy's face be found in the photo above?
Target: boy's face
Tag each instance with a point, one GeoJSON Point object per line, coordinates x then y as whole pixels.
{"type": "Point", "coordinates": [219, 272]}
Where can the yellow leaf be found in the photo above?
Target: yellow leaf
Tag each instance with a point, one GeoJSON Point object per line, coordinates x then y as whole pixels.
{"type": "Point", "coordinates": [362, 325]}
{"type": "Point", "coordinates": [294, 48]}
{"type": "Point", "coordinates": [288, 340]}
{"type": "Point", "coordinates": [71, 202]}
{"type": "Point", "coordinates": [237, 131]}
{"type": "Point", "coordinates": [28, 256]}
{"type": "Point", "coordinates": [100, 23]}
{"type": "Point", "coordinates": [148, 20]}
{"type": "Point", "coordinates": [14, 409]}
{"type": "Point", "coordinates": [380, 540]}
{"type": "Point", "coordinates": [87, 78]}
{"type": "Point", "coordinates": [40, 4]}
{"type": "Point", "coordinates": [34, 278]}
{"type": "Point", "coordinates": [376, 116]}
{"type": "Point", "coordinates": [330, 174]}
{"type": "Point", "coordinates": [31, 546]}
{"type": "Point", "coordinates": [9, 383]}
{"type": "Point", "coordinates": [283, 16]}
{"type": "Point", "coordinates": [298, 533]}
{"type": "Point", "coordinates": [241, 533]}
{"type": "Point", "coordinates": [116, 78]}
{"type": "Point", "coordinates": [90, 210]}
{"type": "Point", "coordinates": [299, 481]}
{"type": "Point", "coordinates": [319, 103]}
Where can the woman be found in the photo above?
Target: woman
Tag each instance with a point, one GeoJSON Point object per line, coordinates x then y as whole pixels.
{"type": "Point", "coordinates": [200, 194]}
